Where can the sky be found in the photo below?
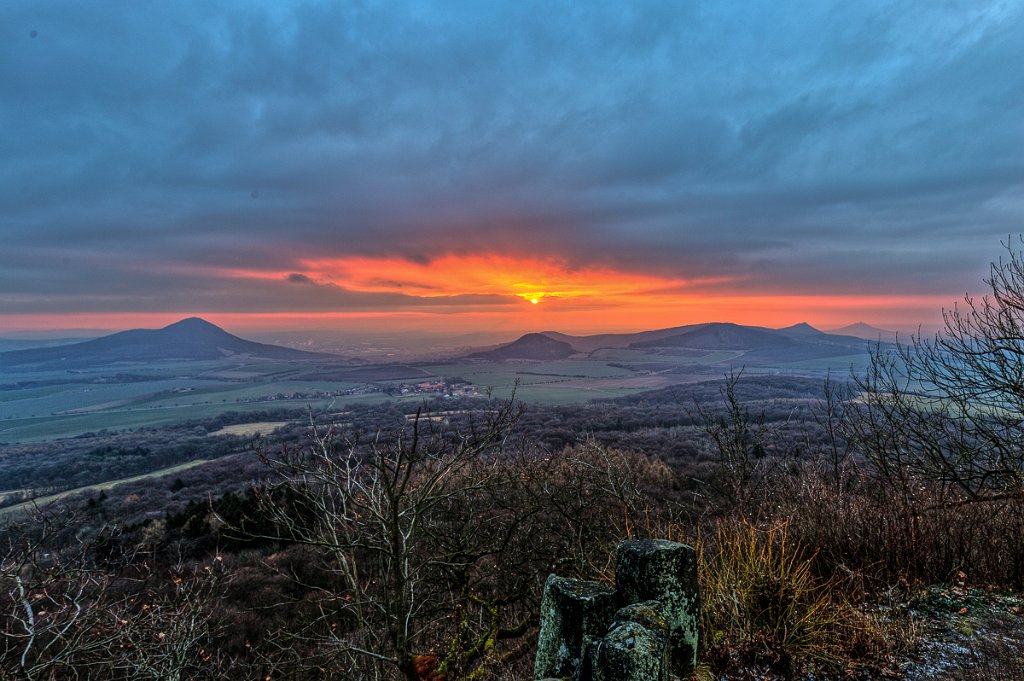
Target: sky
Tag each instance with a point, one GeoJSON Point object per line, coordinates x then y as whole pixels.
{"type": "Point", "coordinates": [519, 166]}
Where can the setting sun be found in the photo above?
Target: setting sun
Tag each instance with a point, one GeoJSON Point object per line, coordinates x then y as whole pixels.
{"type": "Point", "coordinates": [530, 278]}
{"type": "Point", "coordinates": [489, 290]}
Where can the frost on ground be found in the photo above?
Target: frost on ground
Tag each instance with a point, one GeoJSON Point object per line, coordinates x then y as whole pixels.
{"type": "Point", "coordinates": [967, 634]}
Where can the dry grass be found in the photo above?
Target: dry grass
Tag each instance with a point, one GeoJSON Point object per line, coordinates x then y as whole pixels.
{"type": "Point", "coordinates": [821, 579]}
{"type": "Point", "coordinates": [763, 605]}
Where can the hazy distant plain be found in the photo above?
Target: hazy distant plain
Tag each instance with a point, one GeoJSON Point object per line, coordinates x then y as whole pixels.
{"type": "Point", "coordinates": [36, 406]}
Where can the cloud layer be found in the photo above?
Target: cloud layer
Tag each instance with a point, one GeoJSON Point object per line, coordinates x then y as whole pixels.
{"type": "Point", "coordinates": [149, 154]}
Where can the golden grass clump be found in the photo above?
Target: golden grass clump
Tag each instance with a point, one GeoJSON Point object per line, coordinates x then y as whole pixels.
{"type": "Point", "coordinates": [763, 606]}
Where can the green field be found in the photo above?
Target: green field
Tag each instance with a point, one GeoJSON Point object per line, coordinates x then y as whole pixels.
{"type": "Point", "coordinates": [554, 395]}
{"type": "Point", "coordinates": [497, 374]}
{"type": "Point", "coordinates": [56, 404]}
{"type": "Point", "coordinates": [60, 404]}
{"type": "Point", "coordinates": [641, 357]}
{"type": "Point", "coordinates": [60, 426]}
{"type": "Point", "coordinates": [54, 399]}
{"type": "Point", "coordinates": [835, 365]}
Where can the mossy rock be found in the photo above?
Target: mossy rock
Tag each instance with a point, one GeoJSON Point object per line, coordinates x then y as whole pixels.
{"type": "Point", "coordinates": [665, 572]}
{"type": "Point", "coordinates": [629, 652]}
{"type": "Point", "coordinates": [572, 612]}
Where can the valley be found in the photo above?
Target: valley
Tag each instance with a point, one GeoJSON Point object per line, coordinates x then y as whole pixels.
{"type": "Point", "coordinates": [200, 371]}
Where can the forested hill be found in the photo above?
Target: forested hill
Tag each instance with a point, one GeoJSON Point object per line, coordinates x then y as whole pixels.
{"type": "Point", "coordinates": [189, 339]}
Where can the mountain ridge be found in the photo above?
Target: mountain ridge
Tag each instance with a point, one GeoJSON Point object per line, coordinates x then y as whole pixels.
{"type": "Point", "coordinates": [756, 344]}
{"type": "Point", "coordinates": [189, 339]}
{"type": "Point", "coordinates": [721, 336]}
{"type": "Point", "coordinates": [865, 331]}
{"type": "Point", "coordinates": [616, 340]}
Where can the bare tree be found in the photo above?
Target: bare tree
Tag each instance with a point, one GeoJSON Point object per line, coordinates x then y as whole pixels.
{"type": "Point", "coordinates": [391, 517]}
{"type": "Point", "coordinates": [55, 602]}
{"type": "Point", "coordinates": [950, 408]}
{"type": "Point", "coordinates": [72, 609]}
{"type": "Point", "coordinates": [165, 632]}
{"type": "Point", "coordinates": [829, 413]}
{"type": "Point", "coordinates": [594, 496]}
{"type": "Point", "coordinates": [434, 542]}
{"type": "Point", "coordinates": [739, 438]}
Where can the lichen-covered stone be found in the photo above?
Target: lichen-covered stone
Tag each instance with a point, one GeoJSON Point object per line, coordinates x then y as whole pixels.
{"type": "Point", "coordinates": [666, 572]}
{"type": "Point", "coordinates": [571, 612]}
{"type": "Point", "coordinates": [629, 652]}
{"type": "Point", "coordinates": [647, 613]}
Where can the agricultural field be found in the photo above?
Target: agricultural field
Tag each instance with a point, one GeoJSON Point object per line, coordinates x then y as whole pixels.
{"type": "Point", "coordinates": [249, 429]}
{"type": "Point", "coordinates": [676, 357]}
{"type": "Point", "coordinates": [59, 404]}
{"type": "Point", "coordinates": [49, 405]}
{"type": "Point", "coordinates": [845, 364]}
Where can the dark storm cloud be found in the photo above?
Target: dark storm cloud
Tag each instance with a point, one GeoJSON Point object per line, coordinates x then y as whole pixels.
{"type": "Point", "coordinates": [870, 146]}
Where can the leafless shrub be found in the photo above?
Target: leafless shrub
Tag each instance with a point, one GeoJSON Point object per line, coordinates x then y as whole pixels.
{"type": "Point", "coordinates": [56, 619]}
{"type": "Point", "coordinates": [950, 409]}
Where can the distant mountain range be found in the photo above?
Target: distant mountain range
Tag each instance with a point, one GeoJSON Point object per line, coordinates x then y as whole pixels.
{"type": "Point", "coordinates": [867, 332]}
{"type": "Point", "coordinates": [191, 339]}
{"type": "Point", "coordinates": [195, 339]}
{"type": "Point", "coordinates": [720, 336]}
{"type": "Point", "coordinates": [757, 344]}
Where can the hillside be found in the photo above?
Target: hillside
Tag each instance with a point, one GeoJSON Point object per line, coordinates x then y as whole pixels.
{"type": "Point", "coordinates": [617, 340]}
{"type": "Point", "coordinates": [531, 346]}
{"type": "Point", "coordinates": [867, 332]}
{"type": "Point", "coordinates": [714, 336]}
{"type": "Point", "coordinates": [190, 339]}
{"type": "Point", "coordinates": [757, 345]}
{"type": "Point", "coordinates": [721, 336]}
{"type": "Point", "coordinates": [760, 346]}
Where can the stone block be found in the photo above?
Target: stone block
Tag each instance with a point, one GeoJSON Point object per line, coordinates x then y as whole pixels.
{"type": "Point", "coordinates": [571, 612]}
{"type": "Point", "coordinates": [665, 572]}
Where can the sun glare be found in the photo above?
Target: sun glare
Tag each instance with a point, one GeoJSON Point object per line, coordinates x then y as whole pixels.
{"type": "Point", "coordinates": [532, 279]}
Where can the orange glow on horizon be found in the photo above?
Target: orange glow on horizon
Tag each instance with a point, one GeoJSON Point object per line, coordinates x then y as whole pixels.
{"type": "Point", "coordinates": [900, 313]}
{"type": "Point", "coordinates": [469, 293]}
